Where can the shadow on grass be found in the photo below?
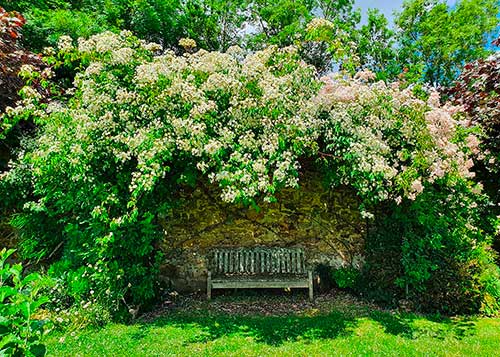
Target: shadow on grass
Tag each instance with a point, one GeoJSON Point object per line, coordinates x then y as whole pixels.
{"type": "Point", "coordinates": [271, 330]}
{"type": "Point", "coordinates": [396, 325]}
{"type": "Point", "coordinates": [275, 330]}
{"type": "Point", "coordinates": [407, 326]}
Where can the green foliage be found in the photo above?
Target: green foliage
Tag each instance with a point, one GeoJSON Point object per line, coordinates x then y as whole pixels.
{"type": "Point", "coordinates": [212, 24]}
{"type": "Point", "coordinates": [376, 46]}
{"type": "Point", "coordinates": [154, 20]}
{"type": "Point", "coordinates": [383, 257]}
{"type": "Point", "coordinates": [431, 44]}
{"type": "Point", "coordinates": [438, 247]}
{"type": "Point", "coordinates": [43, 28]}
{"type": "Point", "coordinates": [20, 333]}
{"type": "Point", "coordinates": [346, 277]}
{"type": "Point", "coordinates": [282, 21]}
{"type": "Point", "coordinates": [93, 186]}
{"type": "Point", "coordinates": [436, 40]}
{"type": "Point", "coordinates": [445, 254]}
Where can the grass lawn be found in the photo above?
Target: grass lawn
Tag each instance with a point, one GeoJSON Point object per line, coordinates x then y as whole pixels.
{"type": "Point", "coordinates": [283, 326]}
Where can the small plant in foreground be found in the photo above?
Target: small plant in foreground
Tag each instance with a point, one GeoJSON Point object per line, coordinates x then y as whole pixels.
{"type": "Point", "coordinates": [19, 299]}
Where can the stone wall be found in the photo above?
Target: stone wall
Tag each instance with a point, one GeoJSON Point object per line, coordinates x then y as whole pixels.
{"type": "Point", "coordinates": [327, 224]}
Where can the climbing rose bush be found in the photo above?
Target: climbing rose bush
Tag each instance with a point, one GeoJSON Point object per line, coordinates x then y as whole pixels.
{"type": "Point", "coordinates": [140, 123]}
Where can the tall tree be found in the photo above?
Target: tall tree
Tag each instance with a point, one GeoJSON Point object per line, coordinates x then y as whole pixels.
{"type": "Point", "coordinates": [279, 22]}
{"type": "Point", "coordinates": [340, 12]}
{"type": "Point", "coordinates": [213, 24]}
{"type": "Point", "coordinates": [376, 46]}
{"type": "Point", "coordinates": [436, 40]}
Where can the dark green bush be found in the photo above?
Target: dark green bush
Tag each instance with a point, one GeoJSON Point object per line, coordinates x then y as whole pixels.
{"type": "Point", "coordinates": [434, 252]}
{"type": "Point", "coordinates": [346, 277]}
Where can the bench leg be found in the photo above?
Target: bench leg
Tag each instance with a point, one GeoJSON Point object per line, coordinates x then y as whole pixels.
{"type": "Point", "coordinates": [209, 285]}
{"type": "Point", "coordinates": [310, 283]}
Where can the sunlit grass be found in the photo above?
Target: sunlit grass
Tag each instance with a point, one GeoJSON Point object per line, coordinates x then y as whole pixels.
{"type": "Point", "coordinates": [360, 332]}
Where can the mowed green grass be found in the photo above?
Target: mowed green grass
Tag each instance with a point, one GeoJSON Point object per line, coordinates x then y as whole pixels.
{"type": "Point", "coordinates": [360, 332]}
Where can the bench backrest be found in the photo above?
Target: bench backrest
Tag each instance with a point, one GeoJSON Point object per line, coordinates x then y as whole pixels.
{"type": "Point", "coordinates": [253, 261]}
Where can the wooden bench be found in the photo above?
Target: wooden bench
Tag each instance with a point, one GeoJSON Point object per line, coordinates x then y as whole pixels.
{"type": "Point", "coordinates": [248, 268]}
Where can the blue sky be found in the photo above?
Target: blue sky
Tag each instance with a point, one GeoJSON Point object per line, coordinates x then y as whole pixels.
{"type": "Point", "coordinates": [387, 7]}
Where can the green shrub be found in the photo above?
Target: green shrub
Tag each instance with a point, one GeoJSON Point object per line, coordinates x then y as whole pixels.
{"type": "Point", "coordinates": [346, 277]}
{"type": "Point", "coordinates": [45, 27]}
{"type": "Point", "coordinates": [20, 298]}
{"type": "Point", "coordinates": [434, 252]}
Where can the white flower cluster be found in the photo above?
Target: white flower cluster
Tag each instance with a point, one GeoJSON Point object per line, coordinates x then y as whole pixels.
{"type": "Point", "coordinates": [187, 43]}
{"type": "Point", "coordinates": [246, 121]}
{"type": "Point", "coordinates": [390, 137]}
{"type": "Point", "coordinates": [230, 113]}
{"type": "Point", "coordinates": [102, 43]}
{"type": "Point", "coordinates": [65, 43]}
{"type": "Point", "coordinates": [319, 23]}
{"type": "Point", "coordinates": [365, 75]}
{"type": "Point", "coordinates": [122, 55]}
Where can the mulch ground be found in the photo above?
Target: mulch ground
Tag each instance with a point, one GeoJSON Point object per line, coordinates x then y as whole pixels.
{"type": "Point", "coordinates": [262, 304]}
